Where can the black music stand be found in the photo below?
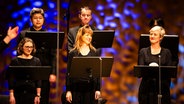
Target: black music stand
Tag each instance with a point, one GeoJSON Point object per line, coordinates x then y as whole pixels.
{"type": "Point", "coordinates": [30, 72]}
{"type": "Point", "coordinates": [152, 71]}
{"type": "Point", "coordinates": [91, 66]}
{"type": "Point", "coordinates": [46, 39]}
{"type": "Point", "coordinates": [103, 38]}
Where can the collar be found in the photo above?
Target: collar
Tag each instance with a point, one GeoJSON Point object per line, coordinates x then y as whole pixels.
{"type": "Point", "coordinates": [32, 29]}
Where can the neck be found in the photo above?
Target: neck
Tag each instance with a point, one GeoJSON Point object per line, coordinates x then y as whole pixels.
{"type": "Point", "coordinates": [26, 56]}
{"type": "Point", "coordinates": [37, 28]}
{"type": "Point", "coordinates": [84, 46]}
{"type": "Point", "coordinates": [84, 24]}
{"type": "Point", "coordinates": [155, 49]}
{"type": "Point", "coordinates": [155, 46]}
{"type": "Point", "coordinates": [84, 49]}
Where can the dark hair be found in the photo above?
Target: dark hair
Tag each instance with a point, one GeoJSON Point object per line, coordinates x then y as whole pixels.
{"type": "Point", "coordinates": [21, 44]}
{"type": "Point", "coordinates": [35, 11]}
{"type": "Point", "coordinates": [156, 22]}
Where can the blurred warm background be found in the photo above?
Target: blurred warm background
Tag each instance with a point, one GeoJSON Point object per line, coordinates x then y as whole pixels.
{"type": "Point", "coordinates": [129, 18]}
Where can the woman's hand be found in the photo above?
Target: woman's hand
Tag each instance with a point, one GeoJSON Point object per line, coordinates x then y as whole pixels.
{"type": "Point", "coordinates": [12, 99]}
{"type": "Point", "coordinates": [52, 78]}
{"type": "Point", "coordinates": [37, 100]}
{"type": "Point", "coordinates": [11, 34]}
{"type": "Point", "coordinates": [97, 95]}
{"type": "Point", "coordinates": [69, 96]}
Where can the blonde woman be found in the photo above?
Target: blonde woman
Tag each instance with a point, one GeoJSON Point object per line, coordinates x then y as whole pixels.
{"type": "Point", "coordinates": [82, 90]}
{"type": "Point", "coordinates": [148, 90]}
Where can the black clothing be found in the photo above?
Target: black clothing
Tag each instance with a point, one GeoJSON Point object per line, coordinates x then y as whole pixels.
{"type": "Point", "coordinates": [47, 58]}
{"type": "Point", "coordinates": [3, 45]}
{"type": "Point", "coordinates": [24, 90]}
{"type": "Point", "coordinates": [149, 87]}
{"type": "Point", "coordinates": [83, 89]}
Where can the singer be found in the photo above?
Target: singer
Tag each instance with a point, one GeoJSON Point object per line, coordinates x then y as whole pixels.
{"type": "Point", "coordinates": [154, 55]}
{"type": "Point", "coordinates": [83, 90]}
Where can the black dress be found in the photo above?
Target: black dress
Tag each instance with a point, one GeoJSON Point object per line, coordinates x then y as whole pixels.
{"type": "Point", "coordinates": [149, 87]}
{"type": "Point", "coordinates": [83, 89]}
{"type": "Point", "coordinates": [24, 90]}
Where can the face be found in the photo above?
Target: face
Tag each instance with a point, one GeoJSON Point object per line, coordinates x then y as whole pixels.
{"type": "Point", "coordinates": [86, 38]}
{"type": "Point", "coordinates": [155, 36]}
{"type": "Point", "coordinates": [85, 16]}
{"type": "Point", "coordinates": [27, 48]}
{"type": "Point", "coordinates": [37, 20]}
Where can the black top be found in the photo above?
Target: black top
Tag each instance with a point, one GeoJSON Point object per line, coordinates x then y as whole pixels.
{"type": "Point", "coordinates": [145, 57]}
{"type": "Point", "coordinates": [24, 84]}
{"type": "Point", "coordinates": [149, 87]}
{"type": "Point", "coordinates": [3, 45]}
{"type": "Point", "coordinates": [72, 83]}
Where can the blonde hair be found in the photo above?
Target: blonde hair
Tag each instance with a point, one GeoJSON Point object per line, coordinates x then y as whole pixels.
{"type": "Point", "coordinates": [80, 33]}
{"type": "Point", "coordinates": [160, 29]}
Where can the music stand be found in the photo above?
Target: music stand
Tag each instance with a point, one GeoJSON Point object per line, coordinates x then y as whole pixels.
{"type": "Point", "coordinates": [30, 72]}
{"type": "Point", "coordinates": [103, 38]}
{"type": "Point", "coordinates": [152, 71]}
{"type": "Point", "coordinates": [46, 39]}
{"type": "Point", "coordinates": [91, 66]}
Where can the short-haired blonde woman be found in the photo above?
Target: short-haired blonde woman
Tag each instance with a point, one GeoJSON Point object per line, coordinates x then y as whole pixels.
{"type": "Point", "coordinates": [149, 87]}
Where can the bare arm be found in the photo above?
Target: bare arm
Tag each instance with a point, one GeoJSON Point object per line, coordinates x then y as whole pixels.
{"type": "Point", "coordinates": [11, 34]}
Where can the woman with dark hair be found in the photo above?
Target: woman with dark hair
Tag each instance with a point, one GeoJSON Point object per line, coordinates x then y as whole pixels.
{"type": "Point", "coordinates": [24, 91]}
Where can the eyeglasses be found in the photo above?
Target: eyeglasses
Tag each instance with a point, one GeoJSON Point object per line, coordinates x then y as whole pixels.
{"type": "Point", "coordinates": [28, 47]}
